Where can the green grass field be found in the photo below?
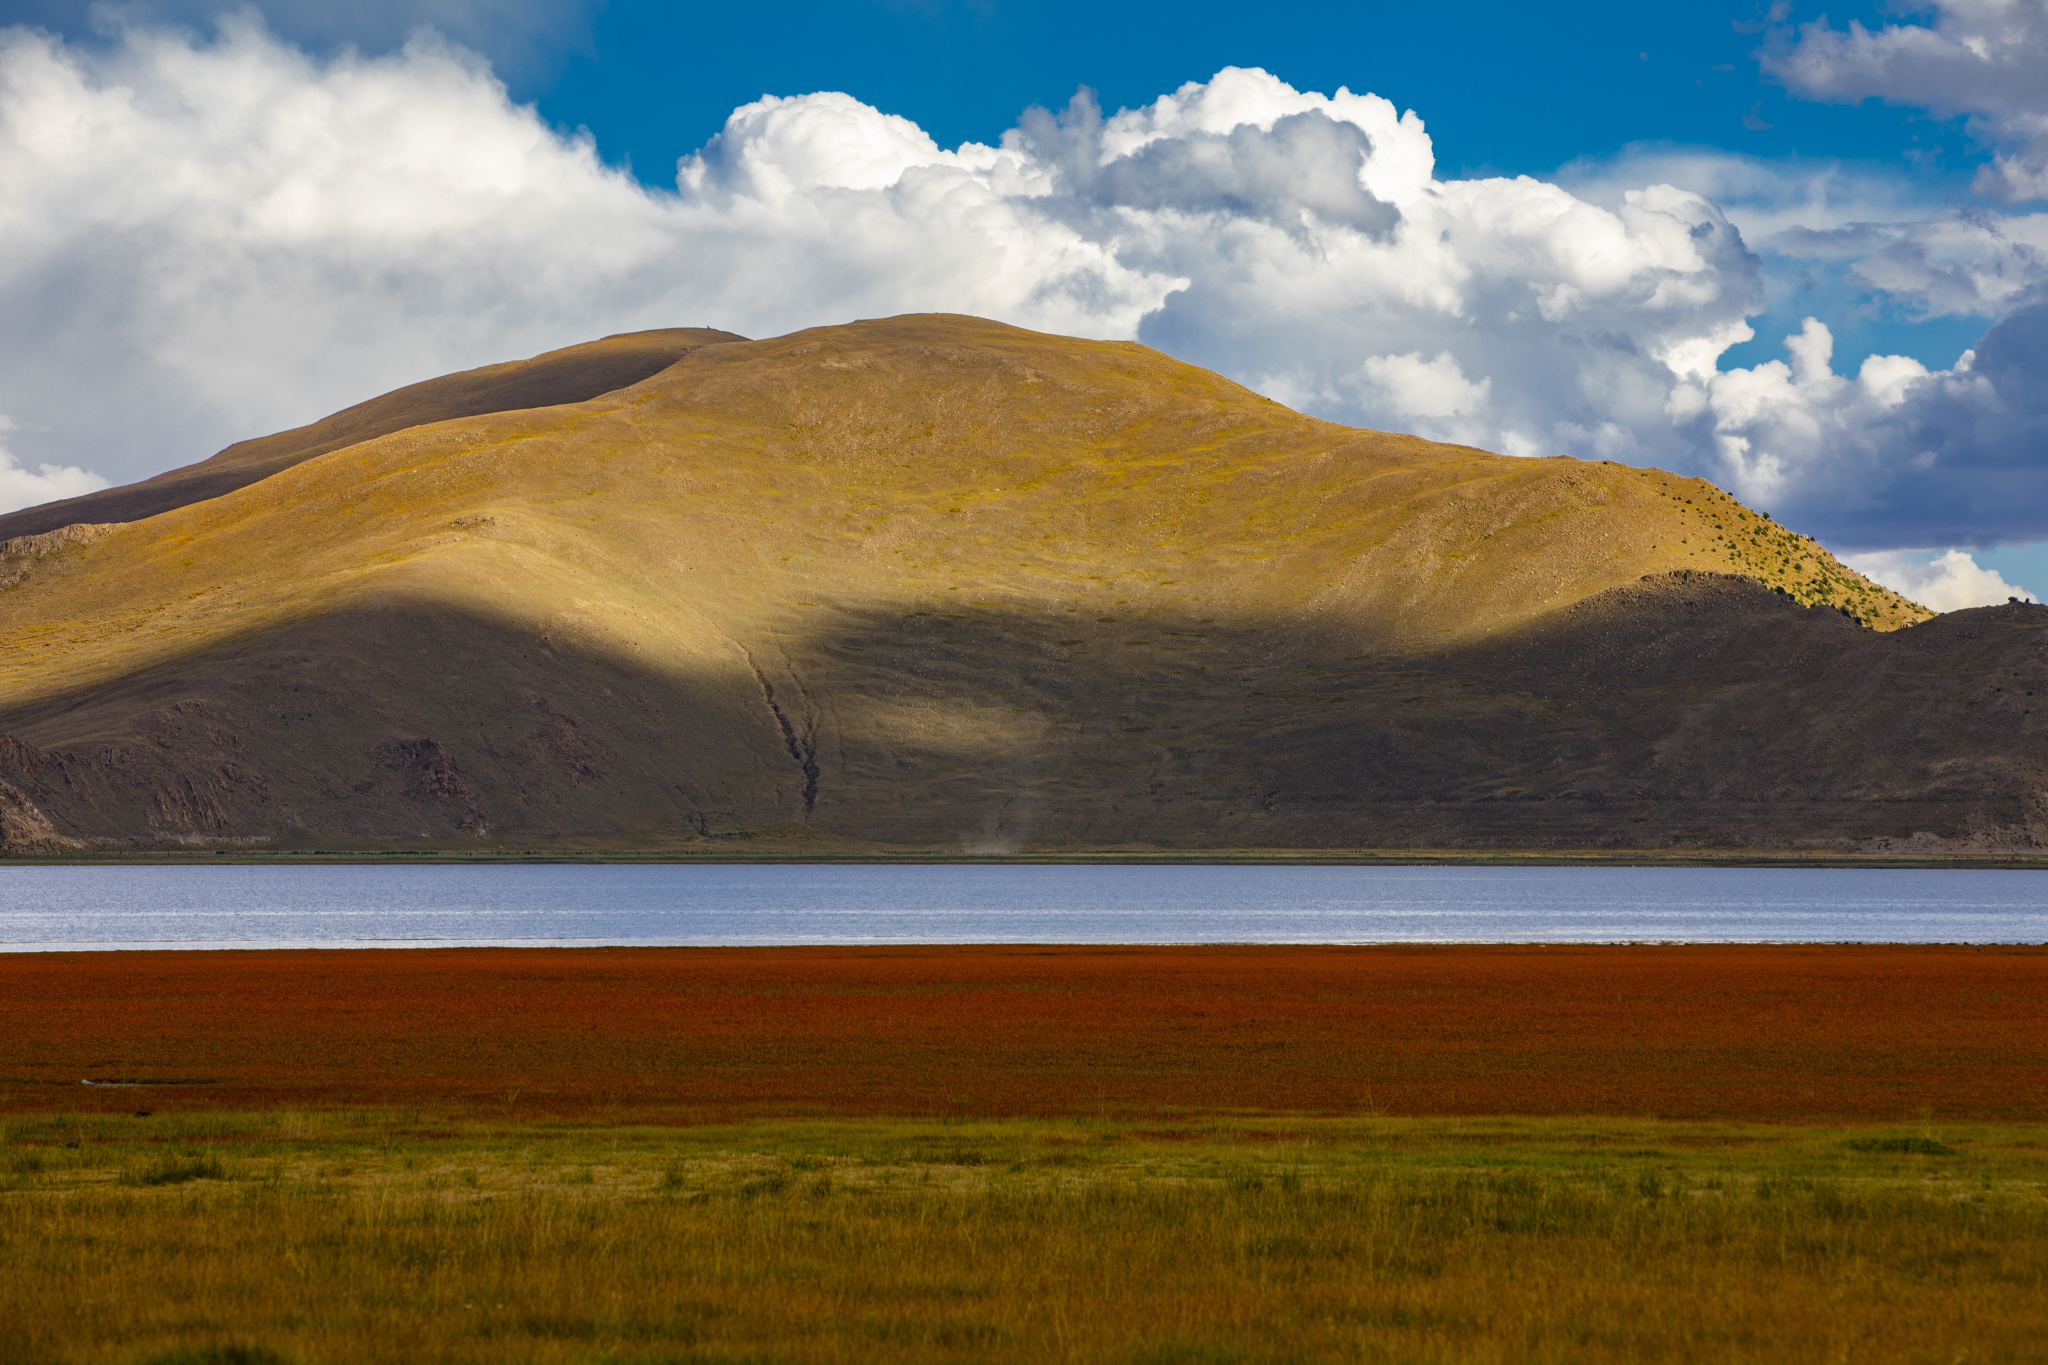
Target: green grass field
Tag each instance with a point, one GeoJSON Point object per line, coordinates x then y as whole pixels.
{"type": "Point", "coordinates": [386, 1237]}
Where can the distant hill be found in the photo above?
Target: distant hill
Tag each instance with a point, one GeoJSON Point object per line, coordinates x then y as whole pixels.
{"type": "Point", "coordinates": [570, 375]}
{"type": "Point", "coordinates": [937, 583]}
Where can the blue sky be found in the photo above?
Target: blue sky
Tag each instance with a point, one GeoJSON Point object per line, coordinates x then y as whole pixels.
{"type": "Point", "coordinates": [1505, 88]}
{"type": "Point", "coordinates": [285, 206]}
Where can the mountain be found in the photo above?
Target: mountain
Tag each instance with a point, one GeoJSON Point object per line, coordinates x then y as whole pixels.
{"type": "Point", "coordinates": [937, 583]}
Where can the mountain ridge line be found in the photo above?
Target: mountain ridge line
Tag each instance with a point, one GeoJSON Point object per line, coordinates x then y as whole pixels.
{"type": "Point", "coordinates": [936, 583]}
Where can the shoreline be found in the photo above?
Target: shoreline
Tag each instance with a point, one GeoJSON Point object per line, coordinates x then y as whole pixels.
{"type": "Point", "coordinates": [1134, 857]}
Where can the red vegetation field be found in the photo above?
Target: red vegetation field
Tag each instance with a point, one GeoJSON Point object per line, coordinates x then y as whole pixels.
{"type": "Point", "coordinates": [1773, 1033]}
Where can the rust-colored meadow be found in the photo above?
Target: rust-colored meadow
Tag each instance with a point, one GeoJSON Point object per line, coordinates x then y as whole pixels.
{"type": "Point", "coordinates": [1775, 1034]}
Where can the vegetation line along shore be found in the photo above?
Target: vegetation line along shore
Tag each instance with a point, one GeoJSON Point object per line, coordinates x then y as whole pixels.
{"type": "Point", "coordinates": [1254, 858]}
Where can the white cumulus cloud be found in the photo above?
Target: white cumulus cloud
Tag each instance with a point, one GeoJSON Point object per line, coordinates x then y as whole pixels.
{"type": "Point", "coordinates": [229, 236]}
{"type": "Point", "coordinates": [20, 487]}
{"type": "Point", "coordinates": [1983, 58]}
{"type": "Point", "coordinates": [204, 240]}
{"type": "Point", "coordinates": [1894, 232]}
{"type": "Point", "coordinates": [1415, 387]}
{"type": "Point", "coordinates": [1949, 581]}
{"type": "Point", "coordinates": [1896, 455]}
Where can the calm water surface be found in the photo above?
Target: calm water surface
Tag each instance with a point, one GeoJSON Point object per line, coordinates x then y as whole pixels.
{"type": "Point", "coordinates": [49, 908]}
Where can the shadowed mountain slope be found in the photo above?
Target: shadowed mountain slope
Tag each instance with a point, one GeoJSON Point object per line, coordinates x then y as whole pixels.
{"type": "Point", "coordinates": [933, 582]}
{"type": "Point", "coordinates": [570, 375]}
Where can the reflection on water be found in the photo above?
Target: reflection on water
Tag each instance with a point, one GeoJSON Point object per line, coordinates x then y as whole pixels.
{"type": "Point", "coordinates": [386, 906]}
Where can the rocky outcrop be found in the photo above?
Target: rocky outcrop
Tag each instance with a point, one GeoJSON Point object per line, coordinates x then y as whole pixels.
{"type": "Point", "coordinates": [24, 829]}
{"type": "Point", "coordinates": [19, 553]}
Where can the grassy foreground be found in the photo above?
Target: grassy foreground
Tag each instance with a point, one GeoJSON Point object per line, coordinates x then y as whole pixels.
{"type": "Point", "coordinates": [318, 1237]}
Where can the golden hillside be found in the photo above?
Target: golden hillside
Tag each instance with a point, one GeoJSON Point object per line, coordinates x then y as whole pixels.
{"type": "Point", "coordinates": [929, 581]}
{"type": "Point", "coordinates": [569, 375]}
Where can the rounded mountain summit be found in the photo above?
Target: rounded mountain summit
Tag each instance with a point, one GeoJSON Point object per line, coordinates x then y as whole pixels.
{"type": "Point", "coordinates": [935, 583]}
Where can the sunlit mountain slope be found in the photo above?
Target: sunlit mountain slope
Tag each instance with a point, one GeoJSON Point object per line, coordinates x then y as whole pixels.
{"type": "Point", "coordinates": [937, 582]}
{"type": "Point", "coordinates": [569, 375]}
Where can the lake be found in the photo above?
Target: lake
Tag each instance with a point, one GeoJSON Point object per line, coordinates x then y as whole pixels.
{"type": "Point", "coordinates": [47, 908]}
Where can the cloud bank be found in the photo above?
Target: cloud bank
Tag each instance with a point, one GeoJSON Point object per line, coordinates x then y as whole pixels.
{"type": "Point", "coordinates": [1925, 259]}
{"type": "Point", "coordinates": [1982, 58]}
{"type": "Point", "coordinates": [1948, 582]}
{"type": "Point", "coordinates": [207, 240]}
{"type": "Point", "coordinates": [21, 488]}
